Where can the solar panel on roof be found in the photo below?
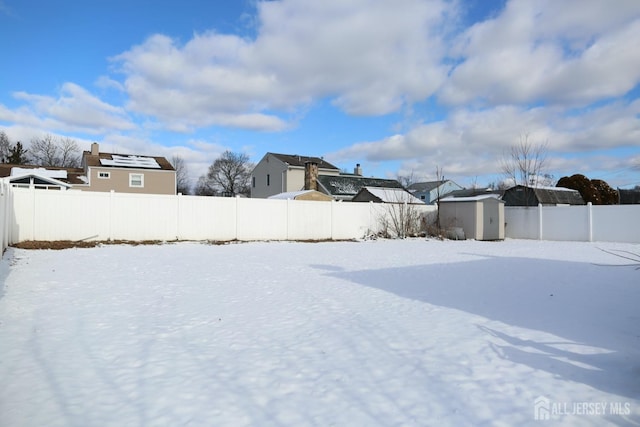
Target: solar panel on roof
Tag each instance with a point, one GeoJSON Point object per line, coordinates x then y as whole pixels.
{"type": "Point", "coordinates": [131, 162]}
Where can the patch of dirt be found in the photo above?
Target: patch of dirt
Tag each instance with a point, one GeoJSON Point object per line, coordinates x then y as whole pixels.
{"type": "Point", "coordinates": [67, 244]}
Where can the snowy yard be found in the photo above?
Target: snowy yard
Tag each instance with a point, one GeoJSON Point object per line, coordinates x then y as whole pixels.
{"type": "Point", "coordinates": [388, 333]}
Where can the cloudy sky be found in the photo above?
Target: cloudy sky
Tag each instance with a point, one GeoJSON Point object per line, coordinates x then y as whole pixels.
{"type": "Point", "coordinates": [402, 86]}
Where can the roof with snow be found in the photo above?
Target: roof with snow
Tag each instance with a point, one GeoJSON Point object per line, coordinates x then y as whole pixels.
{"type": "Point", "coordinates": [67, 175]}
{"type": "Point", "coordinates": [472, 192]}
{"type": "Point", "coordinates": [347, 186]}
{"type": "Point", "coordinates": [309, 195]}
{"type": "Point", "coordinates": [471, 198]}
{"type": "Point", "coordinates": [386, 195]}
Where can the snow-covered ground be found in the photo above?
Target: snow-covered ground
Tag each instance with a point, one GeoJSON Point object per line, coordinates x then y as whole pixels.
{"type": "Point", "coordinates": [389, 333]}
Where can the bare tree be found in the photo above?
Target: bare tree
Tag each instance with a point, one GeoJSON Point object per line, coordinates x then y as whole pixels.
{"type": "Point", "coordinates": [399, 218]}
{"type": "Point", "coordinates": [406, 180]}
{"type": "Point", "coordinates": [525, 162]}
{"type": "Point", "coordinates": [203, 187]}
{"type": "Point", "coordinates": [5, 147]}
{"type": "Point", "coordinates": [182, 175]}
{"type": "Point", "coordinates": [58, 152]}
{"type": "Point", "coordinates": [229, 175]}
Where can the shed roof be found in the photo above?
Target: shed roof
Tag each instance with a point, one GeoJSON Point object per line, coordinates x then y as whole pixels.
{"type": "Point", "coordinates": [543, 195]}
{"type": "Point", "coordinates": [390, 195]}
{"type": "Point", "coordinates": [472, 198]}
{"type": "Point", "coordinates": [471, 192]}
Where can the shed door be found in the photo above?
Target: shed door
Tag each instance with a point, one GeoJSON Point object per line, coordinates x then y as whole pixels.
{"type": "Point", "coordinates": [491, 221]}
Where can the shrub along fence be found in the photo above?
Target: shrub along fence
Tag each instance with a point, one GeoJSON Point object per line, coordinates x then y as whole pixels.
{"type": "Point", "coordinates": [80, 215]}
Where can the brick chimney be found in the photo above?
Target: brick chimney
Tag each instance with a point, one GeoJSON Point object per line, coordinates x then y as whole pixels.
{"type": "Point", "coordinates": [311, 176]}
{"type": "Point", "coordinates": [95, 149]}
{"type": "Point", "coordinates": [357, 170]}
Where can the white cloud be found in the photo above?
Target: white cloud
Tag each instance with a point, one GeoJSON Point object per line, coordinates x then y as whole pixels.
{"type": "Point", "coordinates": [371, 57]}
{"type": "Point", "coordinates": [74, 110]}
{"type": "Point", "coordinates": [573, 52]}
{"type": "Point", "coordinates": [472, 142]}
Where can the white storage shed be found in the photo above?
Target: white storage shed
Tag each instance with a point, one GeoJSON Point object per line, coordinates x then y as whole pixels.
{"type": "Point", "coordinates": [478, 217]}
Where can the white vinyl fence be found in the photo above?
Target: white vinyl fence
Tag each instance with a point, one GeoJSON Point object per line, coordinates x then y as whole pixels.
{"type": "Point", "coordinates": [5, 206]}
{"type": "Point", "coordinates": [588, 223]}
{"type": "Point", "coordinates": [79, 215]}
{"type": "Point", "coordinates": [29, 214]}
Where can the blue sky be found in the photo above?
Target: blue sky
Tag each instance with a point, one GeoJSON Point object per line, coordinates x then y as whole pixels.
{"type": "Point", "coordinates": [400, 87]}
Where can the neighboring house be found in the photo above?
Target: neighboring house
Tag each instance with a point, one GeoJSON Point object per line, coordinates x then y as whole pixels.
{"type": "Point", "coordinates": [303, 195]}
{"type": "Point", "coordinates": [386, 195]}
{"type": "Point", "coordinates": [429, 191]}
{"type": "Point", "coordinates": [521, 195]}
{"type": "Point", "coordinates": [29, 176]}
{"type": "Point", "coordinates": [629, 197]}
{"type": "Point", "coordinates": [345, 187]}
{"type": "Point", "coordinates": [280, 173]}
{"type": "Point", "coordinates": [126, 173]}
{"type": "Point", "coordinates": [99, 172]}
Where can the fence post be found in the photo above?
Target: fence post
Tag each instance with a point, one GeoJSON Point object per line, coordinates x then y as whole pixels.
{"type": "Point", "coordinates": [540, 227]}
{"type": "Point", "coordinates": [110, 237]}
{"type": "Point", "coordinates": [590, 220]}
{"type": "Point", "coordinates": [237, 215]}
{"type": "Point", "coordinates": [288, 218]}
{"type": "Point", "coordinates": [331, 221]}
{"type": "Point", "coordinates": [178, 199]}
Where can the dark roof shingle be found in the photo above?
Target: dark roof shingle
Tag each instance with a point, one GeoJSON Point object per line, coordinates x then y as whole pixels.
{"type": "Point", "coordinates": [350, 185]}
{"type": "Point", "coordinates": [296, 160]}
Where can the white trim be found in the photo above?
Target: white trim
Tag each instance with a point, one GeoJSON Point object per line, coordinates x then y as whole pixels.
{"type": "Point", "coordinates": [131, 177]}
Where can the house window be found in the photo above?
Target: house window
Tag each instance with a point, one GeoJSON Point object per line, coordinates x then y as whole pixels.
{"type": "Point", "coordinates": [268, 179]}
{"type": "Point", "coordinates": [136, 180]}
{"type": "Point", "coordinates": [422, 197]}
{"type": "Point", "coordinates": [104, 175]}
{"type": "Point", "coordinates": [253, 181]}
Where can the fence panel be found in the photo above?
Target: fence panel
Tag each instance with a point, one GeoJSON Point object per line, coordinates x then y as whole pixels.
{"type": "Point", "coordinates": [261, 219]}
{"type": "Point", "coordinates": [309, 220]}
{"type": "Point", "coordinates": [569, 223]}
{"type": "Point", "coordinates": [206, 218]}
{"type": "Point", "coordinates": [614, 223]}
{"type": "Point", "coordinates": [618, 223]}
{"type": "Point", "coordinates": [143, 217]}
{"type": "Point", "coordinates": [521, 222]}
